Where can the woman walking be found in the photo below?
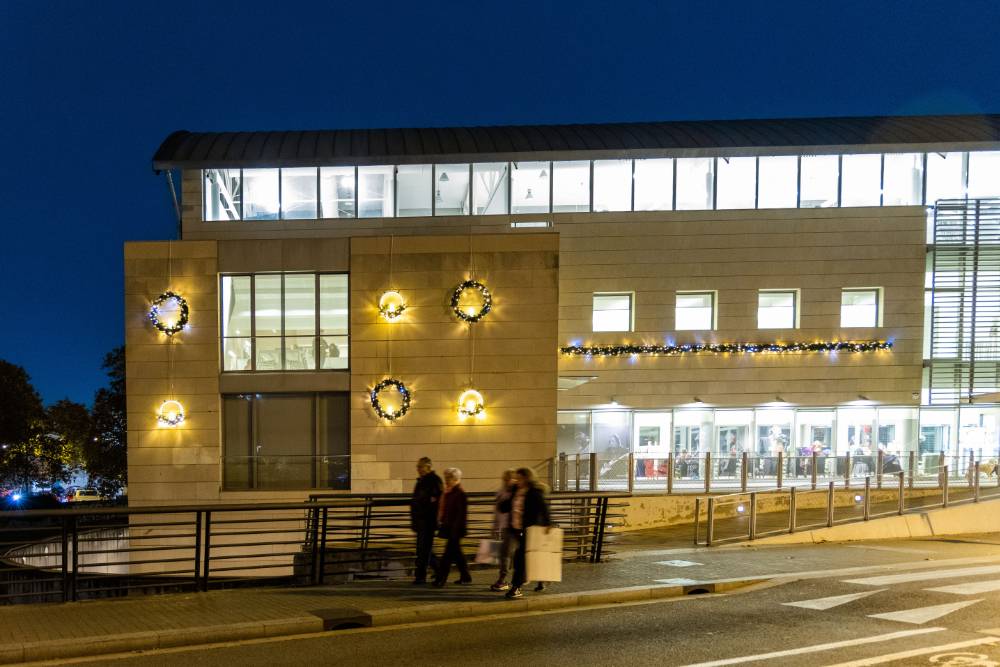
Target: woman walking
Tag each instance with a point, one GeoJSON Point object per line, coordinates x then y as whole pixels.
{"type": "Point", "coordinates": [501, 527]}
{"type": "Point", "coordinates": [527, 508]}
{"type": "Point", "coordinates": [452, 522]}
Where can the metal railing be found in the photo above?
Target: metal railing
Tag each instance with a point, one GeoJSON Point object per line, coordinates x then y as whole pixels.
{"type": "Point", "coordinates": [68, 555]}
{"type": "Point", "coordinates": [748, 515]}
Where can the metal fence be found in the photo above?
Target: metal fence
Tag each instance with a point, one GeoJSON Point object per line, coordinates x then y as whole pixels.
{"type": "Point", "coordinates": [75, 554]}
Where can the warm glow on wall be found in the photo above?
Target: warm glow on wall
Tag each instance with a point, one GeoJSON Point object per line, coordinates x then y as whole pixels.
{"type": "Point", "coordinates": [170, 414]}
{"type": "Point", "coordinates": [471, 404]}
{"type": "Point", "coordinates": [391, 305]}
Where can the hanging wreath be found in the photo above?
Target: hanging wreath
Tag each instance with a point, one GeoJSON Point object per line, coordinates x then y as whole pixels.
{"type": "Point", "coordinates": [471, 404]}
{"type": "Point", "coordinates": [389, 413]}
{"type": "Point", "coordinates": [171, 413]}
{"type": "Point", "coordinates": [391, 305]}
{"type": "Point", "coordinates": [155, 312]}
{"type": "Point", "coordinates": [470, 313]}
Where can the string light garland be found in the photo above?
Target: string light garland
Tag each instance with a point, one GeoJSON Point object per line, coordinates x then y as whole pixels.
{"type": "Point", "coordinates": [170, 414]}
{"type": "Point", "coordinates": [726, 348]}
{"type": "Point", "coordinates": [471, 314]}
{"type": "Point", "coordinates": [389, 413]}
{"type": "Point", "coordinates": [156, 312]}
{"type": "Point", "coordinates": [391, 305]}
{"type": "Point", "coordinates": [471, 404]}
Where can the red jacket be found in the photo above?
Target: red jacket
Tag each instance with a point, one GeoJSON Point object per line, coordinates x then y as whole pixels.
{"type": "Point", "coordinates": [454, 512]}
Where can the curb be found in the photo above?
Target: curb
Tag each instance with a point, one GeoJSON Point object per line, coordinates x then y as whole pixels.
{"type": "Point", "coordinates": [213, 634]}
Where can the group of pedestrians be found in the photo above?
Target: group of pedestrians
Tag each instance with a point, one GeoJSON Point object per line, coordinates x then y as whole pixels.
{"type": "Point", "coordinates": [440, 509]}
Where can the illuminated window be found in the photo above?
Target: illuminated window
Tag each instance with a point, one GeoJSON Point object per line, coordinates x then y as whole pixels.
{"type": "Point", "coordinates": [336, 192]}
{"type": "Point", "coordinates": [223, 192]}
{"type": "Point", "coordinates": [861, 180]}
{"type": "Point", "coordinates": [695, 183]}
{"type": "Point", "coordinates": [819, 181]}
{"type": "Point", "coordinates": [613, 312]}
{"type": "Point", "coordinates": [694, 311]}
{"type": "Point", "coordinates": [777, 309]}
{"type": "Point", "coordinates": [375, 192]}
{"type": "Point", "coordinates": [654, 185]}
{"type": "Point", "coordinates": [903, 179]}
{"type": "Point", "coordinates": [413, 190]}
{"type": "Point", "coordinates": [530, 187]}
{"type": "Point", "coordinates": [945, 176]}
{"type": "Point", "coordinates": [612, 185]}
{"type": "Point", "coordinates": [490, 188]}
{"type": "Point", "coordinates": [777, 185]}
{"type": "Point", "coordinates": [737, 182]}
{"type": "Point", "coordinates": [260, 194]}
{"type": "Point", "coordinates": [571, 186]}
{"type": "Point", "coordinates": [984, 174]}
{"type": "Point", "coordinates": [298, 193]}
{"type": "Point", "coordinates": [861, 307]}
{"type": "Point", "coordinates": [451, 189]}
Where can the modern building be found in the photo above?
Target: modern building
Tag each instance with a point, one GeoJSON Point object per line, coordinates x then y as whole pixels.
{"type": "Point", "coordinates": [760, 285]}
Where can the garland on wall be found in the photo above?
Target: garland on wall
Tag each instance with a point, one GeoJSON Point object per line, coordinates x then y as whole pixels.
{"type": "Point", "coordinates": [468, 314]}
{"type": "Point", "coordinates": [178, 302]}
{"type": "Point", "coordinates": [726, 348]}
{"type": "Point", "coordinates": [389, 413]}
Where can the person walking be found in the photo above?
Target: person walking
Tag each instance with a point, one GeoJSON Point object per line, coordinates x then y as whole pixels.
{"type": "Point", "coordinates": [452, 522]}
{"type": "Point", "coordinates": [527, 508]}
{"type": "Point", "coordinates": [424, 515]}
{"type": "Point", "coordinates": [501, 527]}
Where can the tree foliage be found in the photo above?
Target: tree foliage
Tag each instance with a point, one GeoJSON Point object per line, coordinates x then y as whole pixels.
{"type": "Point", "coordinates": [104, 452]}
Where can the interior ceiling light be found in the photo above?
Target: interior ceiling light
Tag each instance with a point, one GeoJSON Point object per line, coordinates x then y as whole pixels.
{"type": "Point", "coordinates": [529, 195]}
{"type": "Point", "coordinates": [444, 177]}
{"type": "Point", "coordinates": [437, 195]}
{"type": "Point", "coordinates": [543, 174]}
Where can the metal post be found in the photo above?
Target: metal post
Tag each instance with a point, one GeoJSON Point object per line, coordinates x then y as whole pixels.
{"type": "Point", "coordinates": [208, 551]}
{"type": "Point", "coordinates": [879, 460]}
{"type": "Point", "coordinates": [314, 543]}
{"type": "Point", "coordinates": [197, 550]}
{"type": "Point", "coordinates": [847, 470]}
{"type": "Point", "coordinates": [815, 462]}
{"type": "Point", "coordinates": [753, 515]}
{"type": "Point", "coordinates": [697, 516]}
{"type": "Point", "coordinates": [710, 522]}
{"type": "Point", "coordinates": [940, 468]}
{"type": "Point", "coordinates": [781, 468]}
{"type": "Point", "coordinates": [792, 503]}
{"type": "Point", "coordinates": [563, 473]}
{"type": "Point", "coordinates": [73, 577]}
{"type": "Point", "coordinates": [593, 471]}
{"type": "Point", "coordinates": [65, 559]}
{"type": "Point", "coordinates": [975, 482]}
{"type": "Point", "coordinates": [972, 459]}
{"type": "Point", "coordinates": [829, 505]}
{"type": "Point", "coordinates": [707, 472]}
{"type": "Point", "coordinates": [631, 471]}
{"type": "Point", "coordinates": [868, 496]}
{"type": "Point", "coordinates": [912, 465]}
{"type": "Point", "coordinates": [322, 546]}
{"type": "Point", "coordinates": [670, 473]}
{"type": "Point", "coordinates": [577, 472]}
{"type": "Point", "coordinates": [744, 462]}
{"type": "Point", "coordinates": [552, 474]}
{"type": "Point", "coordinates": [902, 491]}
{"type": "Point", "coordinates": [944, 487]}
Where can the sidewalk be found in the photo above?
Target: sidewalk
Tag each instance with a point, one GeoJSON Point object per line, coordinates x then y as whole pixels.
{"type": "Point", "coordinates": [642, 568]}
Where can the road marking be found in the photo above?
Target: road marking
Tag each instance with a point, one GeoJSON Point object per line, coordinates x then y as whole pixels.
{"type": "Point", "coordinates": [923, 614]}
{"type": "Point", "coordinates": [677, 582]}
{"type": "Point", "coordinates": [972, 588]}
{"type": "Point", "coordinates": [924, 576]}
{"type": "Point", "coordinates": [817, 648]}
{"type": "Point", "coordinates": [822, 604]}
{"type": "Point", "coordinates": [901, 550]}
{"type": "Point", "coordinates": [902, 655]}
{"type": "Point", "coordinates": [676, 563]}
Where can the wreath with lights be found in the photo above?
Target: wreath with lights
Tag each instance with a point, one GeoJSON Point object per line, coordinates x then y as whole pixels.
{"type": "Point", "coordinates": [171, 413]}
{"type": "Point", "coordinates": [404, 393]}
{"type": "Point", "coordinates": [182, 319]}
{"type": "Point", "coordinates": [480, 405]}
{"type": "Point", "coordinates": [457, 296]}
{"type": "Point", "coordinates": [386, 309]}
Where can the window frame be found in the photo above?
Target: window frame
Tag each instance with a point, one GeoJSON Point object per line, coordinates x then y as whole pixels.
{"type": "Point", "coordinates": [879, 306]}
{"type": "Point", "coordinates": [317, 336]}
{"type": "Point", "coordinates": [713, 295]}
{"type": "Point", "coordinates": [631, 310]}
{"type": "Point", "coordinates": [796, 307]}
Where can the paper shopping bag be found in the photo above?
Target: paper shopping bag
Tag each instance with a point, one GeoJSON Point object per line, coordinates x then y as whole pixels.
{"type": "Point", "coordinates": [488, 552]}
{"type": "Point", "coordinates": [541, 538]}
{"type": "Point", "coordinates": [543, 566]}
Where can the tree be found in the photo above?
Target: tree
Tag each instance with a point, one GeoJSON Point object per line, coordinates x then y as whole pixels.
{"type": "Point", "coordinates": [21, 420]}
{"type": "Point", "coordinates": [105, 448]}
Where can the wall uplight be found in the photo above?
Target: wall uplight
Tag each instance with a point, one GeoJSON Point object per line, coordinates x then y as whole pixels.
{"type": "Point", "coordinates": [391, 305]}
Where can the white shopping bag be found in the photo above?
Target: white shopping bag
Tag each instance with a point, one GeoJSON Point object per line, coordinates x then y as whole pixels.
{"type": "Point", "coordinates": [543, 557]}
{"type": "Point", "coordinates": [488, 552]}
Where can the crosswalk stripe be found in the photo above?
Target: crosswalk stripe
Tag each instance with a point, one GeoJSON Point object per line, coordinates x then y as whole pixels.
{"type": "Point", "coordinates": [822, 604]}
{"type": "Point", "coordinates": [924, 614]}
{"type": "Point", "coordinates": [924, 575]}
{"type": "Point", "coordinates": [971, 588]}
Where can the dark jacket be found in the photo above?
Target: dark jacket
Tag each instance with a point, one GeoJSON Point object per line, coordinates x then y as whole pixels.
{"type": "Point", "coordinates": [456, 512]}
{"type": "Point", "coordinates": [424, 502]}
{"type": "Point", "coordinates": [536, 510]}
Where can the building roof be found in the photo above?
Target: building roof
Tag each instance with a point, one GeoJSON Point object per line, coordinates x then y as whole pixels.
{"type": "Point", "coordinates": [197, 150]}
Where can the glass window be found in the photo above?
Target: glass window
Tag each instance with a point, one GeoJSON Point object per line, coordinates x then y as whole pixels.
{"type": "Point", "coordinates": [815, 430]}
{"type": "Point", "coordinates": [375, 192]}
{"type": "Point", "coordinates": [333, 321]}
{"type": "Point", "coordinates": [854, 436]}
{"type": "Point", "coordinates": [300, 321]}
{"type": "Point", "coordinates": [260, 194]}
{"type": "Point", "coordinates": [573, 433]}
{"type": "Point", "coordinates": [651, 437]}
{"type": "Point", "coordinates": [654, 185]}
{"type": "Point", "coordinates": [692, 436]}
{"type": "Point", "coordinates": [945, 176]}
{"type": "Point", "coordinates": [222, 194]}
{"type": "Point", "coordinates": [938, 432]}
{"type": "Point", "coordinates": [694, 311]}
{"type": "Point", "coordinates": [611, 439]}
{"type": "Point", "coordinates": [571, 186]}
{"type": "Point", "coordinates": [612, 185]}
{"type": "Point", "coordinates": [530, 187]}
{"type": "Point", "coordinates": [860, 308]}
{"type": "Point", "coordinates": [774, 435]}
{"type": "Point", "coordinates": [336, 192]}
{"type": "Point", "coordinates": [413, 190]}
{"type": "Point", "coordinates": [236, 323]}
{"type": "Point", "coordinates": [733, 436]}
{"type": "Point", "coordinates": [490, 187]}
{"type": "Point", "coordinates": [612, 312]}
{"type": "Point", "coordinates": [984, 174]}
{"type": "Point", "coordinates": [902, 179]}
{"type": "Point", "coordinates": [897, 433]}
{"type": "Point", "coordinates": [819, 181]}
{"type": "Point", "coordinates": [861, 181]}
{"type": "Point", "coordinates": [695, 183]}
{"type": "Point", "coordinates": [298, 193]}
{"type": "Point", "coordinates": [776, 309]}
{"type": "Point", "coordinates": [778, 181]}
{"type": "Point", "coordinates": [451, 189]}
{"type": "Point", "coordinates": [737, 182]}
{"type": "Point", "coordinates": [978, 434]}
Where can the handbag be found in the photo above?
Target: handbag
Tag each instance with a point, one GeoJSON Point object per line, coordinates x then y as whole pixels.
{"type": "Point", "coordinates": [543, 557]}
{"type": "Point", "coordinates": [488, 552]}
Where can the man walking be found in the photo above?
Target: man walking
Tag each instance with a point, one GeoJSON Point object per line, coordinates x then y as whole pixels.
{"type": "Point", "coordinates": [423, 515]}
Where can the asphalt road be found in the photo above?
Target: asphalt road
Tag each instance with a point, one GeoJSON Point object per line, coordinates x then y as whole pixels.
{"type": "Point", "coordinates": [914, 613]}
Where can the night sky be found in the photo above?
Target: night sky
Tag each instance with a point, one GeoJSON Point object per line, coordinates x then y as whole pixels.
{"type": "Point", "coordinates": [89, 89]}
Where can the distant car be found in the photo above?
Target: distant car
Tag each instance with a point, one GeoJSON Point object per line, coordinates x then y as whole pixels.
{"type": "Point", "coordinates": [85, 496]}
{"type": "Point", "coordinates": [37, 501]}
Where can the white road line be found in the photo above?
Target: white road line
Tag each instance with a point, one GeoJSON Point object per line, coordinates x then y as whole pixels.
{"type": "Point", "coordinates": [817, 648]}
{"type": "Point", "coordinates": [924, 575]}
{"type": "Point", "coordinates": [680, 581]}
{"type": "Point", "coordinates": [677, 563]}
{"type": "Point", "coordinates": [972, 588]}
{"type": "Point", "coordinates": [822, 604]}
{"type": "Point", "coordinates": [922, 615]}
{"type": "Point", "coordinates": [902, 655]}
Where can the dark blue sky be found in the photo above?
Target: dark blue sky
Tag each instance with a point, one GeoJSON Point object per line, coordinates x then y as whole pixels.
{"type": "Point", "coordinates": [89, 89]}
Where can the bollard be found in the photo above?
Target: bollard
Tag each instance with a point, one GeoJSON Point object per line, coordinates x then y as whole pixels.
{"type": "Point", "coordinates": [753, 516]}
{"type": "Point", "coordinates": [847, 470]}
{"type": "Point", "coordinates": [781, 467]}
{"type": "Point", "coordinates": [697, 515]}
{"type": "Point", "coordinates": [563, 472]}
{"type": "Point", "coordinates": [670, 473]}
{"type": "Point", "coordinates": [743, 471]}
{"type": "Point", "coordinates": [879, 461]}
{"type": "Point", "coordinates": [829, 505]}
{"type": "Point", "coordinates": [593, 472]}
{"type": "Point", "coordinates": [944, 487]}
{"type": "Point", "coordinates": [868, 495]}
{"type": "Point", "coordinates": [815, 462]}
{"type": "Point", "coordinates": [631, 471]}
{"type": "Point", "coordinates": [975, 483]}
{"type": "Point", "coordinates": [940, 468]}
{"type": "Point", "coordinates": [902, 491]}
{"type": "Point", "coordinates": [791, 511]}
{"type": "Point", "coordinates": [708, 472]}
{"type": "Point", "coordinates": [912, 465]}
{"type": "Point", "coordinates": [709, 522]}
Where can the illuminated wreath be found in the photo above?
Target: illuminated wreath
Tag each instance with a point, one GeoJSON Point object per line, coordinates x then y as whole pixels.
{"type": "Point", "coordinates": [390, 414]}
{"type": "Point", "coordinates": [457, 296]}
{"type": "Point", "coordinates": [182, 319]}
{"type": "Point", "coordinates": [171, 413]}
{"type": "Point", "coordinates": [471, 403]}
